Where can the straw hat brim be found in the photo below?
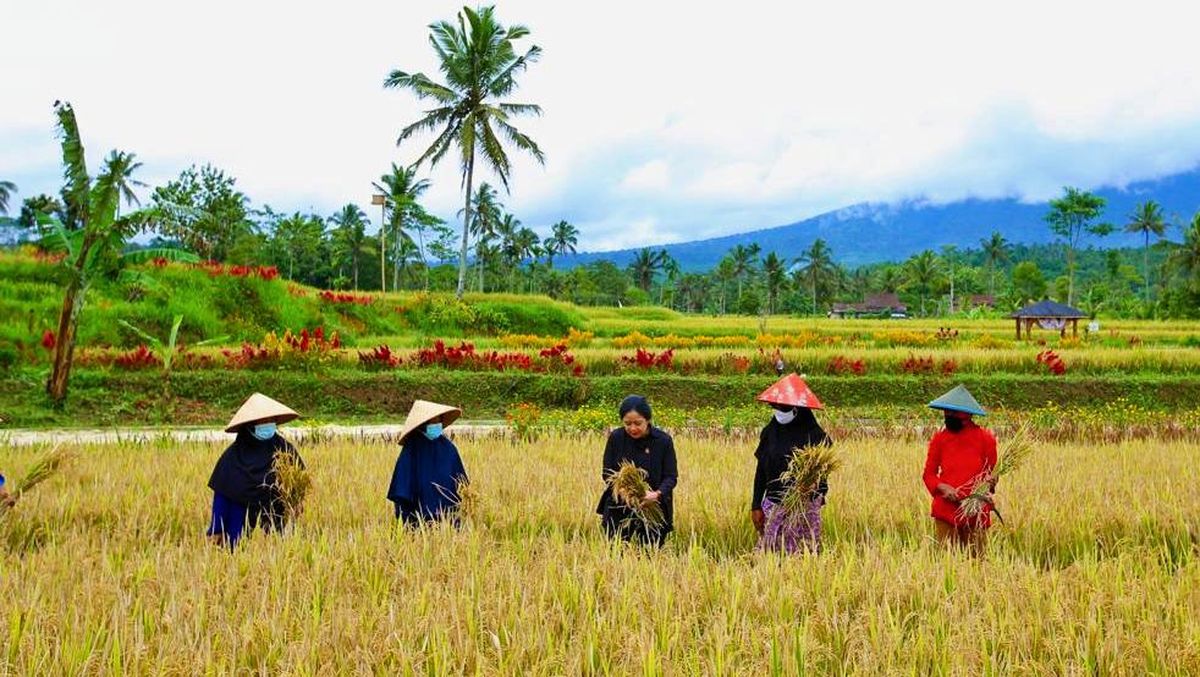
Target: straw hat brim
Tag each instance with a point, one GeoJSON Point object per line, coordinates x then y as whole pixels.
{"type": "Point", "coordinates": [259, 408]}
{"type": "Point", "coordinates": [423, 412]}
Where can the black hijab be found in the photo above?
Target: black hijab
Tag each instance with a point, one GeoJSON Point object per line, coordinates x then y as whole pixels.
{"type": "Point", "coordinates": [244, 473]}
{"type": "Point", "coordinates": [803, 431]}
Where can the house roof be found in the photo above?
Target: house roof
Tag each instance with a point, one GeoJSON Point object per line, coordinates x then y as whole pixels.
{"type": "Point", "coordinates": [1049, 308]}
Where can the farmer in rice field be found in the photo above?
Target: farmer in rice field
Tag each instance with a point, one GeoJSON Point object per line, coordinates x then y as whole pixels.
{"type": "Point", "coordinates": [651, 449]}
{"type": "Point", "coordinates": [959, 455]}
{"type": "Point", "coordinates": [243, 481]}
{"type": "Point", "coordinates": [428, 471]}
{"type": "Point", "coordinates": [792, 426]}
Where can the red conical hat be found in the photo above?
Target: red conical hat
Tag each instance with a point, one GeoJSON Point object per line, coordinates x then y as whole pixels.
{"type": "Point", "coordinates": [792, 391]}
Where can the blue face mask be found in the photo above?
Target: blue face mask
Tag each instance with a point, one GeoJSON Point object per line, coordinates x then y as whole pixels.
{"type": "Point", "coordinates": [433, 431]}
{"type": "Point", "coordinates": [264, 431]}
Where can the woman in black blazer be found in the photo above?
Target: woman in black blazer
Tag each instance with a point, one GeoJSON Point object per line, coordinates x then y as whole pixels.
{"type": "Point", "coordinates": [650, 449]}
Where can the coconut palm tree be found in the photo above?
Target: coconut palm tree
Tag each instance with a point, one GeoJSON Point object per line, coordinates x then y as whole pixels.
{"type": "Point", "coordinates": [484, 221]}
{"type": "Point", "coordinates": [7, 188]}
{"type": "Point", "coordinates": [1186, 259]}
{"type": "Point", "coordinates": [1147, 219]}
{"type": "Point", "coordinates": [816, 267]}
{"type": "Point", "coordinates": [124, 165]}
{"type": "Point", "coordinates": [645, 265]}
{"type": "Point", "coordinates": [562, 240]}
{"type": "Point", "coordinates": [744, 258]}
{"type": "Point", "coordinates": [402, 191]}
{"type": "Point", "coordinates": [478, 58]}
{"type": "Point", "coordinates": [921, 272]}
{"type": "Point", "coordinates": [350, 237]}
{"type": "Point", "coordinates": [775, 278]}
{"type": "Point", "coordinates": [995, 250]}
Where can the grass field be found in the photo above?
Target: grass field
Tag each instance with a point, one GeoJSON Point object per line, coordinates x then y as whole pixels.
{"type": "Point", "coordinates": [104, 570]}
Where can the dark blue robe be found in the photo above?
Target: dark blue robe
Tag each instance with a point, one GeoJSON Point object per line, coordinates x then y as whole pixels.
{"type": "Point", "coordinates": [425, 481]}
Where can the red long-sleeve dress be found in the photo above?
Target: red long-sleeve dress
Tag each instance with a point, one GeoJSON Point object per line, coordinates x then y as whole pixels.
{"type": "Point", "coordinates": [957, 459]}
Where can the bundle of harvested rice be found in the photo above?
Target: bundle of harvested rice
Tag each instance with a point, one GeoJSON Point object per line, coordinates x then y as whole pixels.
{"type": "Point", "coordinates": [629, 487]}
{"type": "Point", "coordinates": [42, 469]}
{"type": "Point", "coordinates": [806, 470]}
{"type": "Point", "coordinates": [292, 483]}
{"type": "Point", "coordinates": [1014, 451]}
{"type": "Point", "coordinates": [468, 502]}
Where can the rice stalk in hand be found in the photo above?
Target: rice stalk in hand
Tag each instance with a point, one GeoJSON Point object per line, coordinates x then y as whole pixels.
{"type": "Point", "coordinates": [292, 483]}
{"type": "Point", "coordinates": [1013, 452]}
{"type": "Point", "coordinates": [44, 468]}
{"type": "Point", "coordinates": [469, 501]}
{"type": "Point", "coordinates": [807, 468]}
{"type": "Point", "coordinates": [629, 487]}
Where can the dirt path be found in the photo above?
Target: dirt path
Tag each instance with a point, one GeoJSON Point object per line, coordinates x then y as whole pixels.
{"type": "Point", "coordinates": [113, 435]}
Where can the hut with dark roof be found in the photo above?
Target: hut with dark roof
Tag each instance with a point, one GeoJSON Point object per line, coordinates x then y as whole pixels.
{"type": "Point", "coordinates": [1048, 315]}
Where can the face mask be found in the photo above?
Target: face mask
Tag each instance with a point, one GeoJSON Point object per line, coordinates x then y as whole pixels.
{"type": "Point", "coordinates": [785, 417]}
{"type": "Point", "coordinates": [433, 431]}
{"type": "Point", "coordinates": [954, 424]}
{"type": "Point", "coordinates": [264, 431]}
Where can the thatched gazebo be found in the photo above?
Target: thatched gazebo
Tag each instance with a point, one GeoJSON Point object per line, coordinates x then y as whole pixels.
{"type": "Point", "coordinates": [1048, 315]}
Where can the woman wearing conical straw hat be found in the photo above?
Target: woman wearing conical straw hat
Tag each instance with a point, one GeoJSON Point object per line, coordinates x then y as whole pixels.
{"type": "Point", "coordinates": [429, 470]}
{"type": "Point", "coordinates": [245, 495]}
{"type": "Point", "coordinates": [792, 426]}
{"type": "Point", "coordinates": [959, 455]}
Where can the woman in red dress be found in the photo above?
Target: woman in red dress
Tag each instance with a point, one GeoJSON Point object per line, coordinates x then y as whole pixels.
{"type": "Point", "coordinates": [959, 456]}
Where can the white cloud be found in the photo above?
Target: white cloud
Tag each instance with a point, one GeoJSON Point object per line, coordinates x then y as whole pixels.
{"type": "Point", "coordinates": [658, 125]}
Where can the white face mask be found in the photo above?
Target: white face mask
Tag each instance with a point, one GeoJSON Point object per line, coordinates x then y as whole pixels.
{"type": "Point", "coordinates": [785, 417]}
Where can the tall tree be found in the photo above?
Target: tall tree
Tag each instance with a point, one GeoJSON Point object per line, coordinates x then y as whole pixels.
{"type": "Point", "coordinates": [1147, 219]}
{"type": "Point", "coordinates": [995, 250]}
{"type": "Point", "coordinates": [94, 202]}
{"type": "Point", "coordinates": [484, 223]}
{"type": "Point", "coordinates": [562, 241]}
{"type": "Point", "coordinates": [7, 188]}
{"type": "Point", "coordinates": [1186, 259]}
{"type": "Point", "coordinates": [816, 267]}
{"type": "Point", "coordinates": [1028, 282]}
{"type": "Point", "coordinates": [745, 259]}
{"type": "Point", "coordinates": [215, 213]}
{"type": "Point", "coordinates": [645, 265]}
{"type": "Point", "coordinates": [479, 61]}
{"type": "Point", "coordinates": [402, 191]}
{"type": "Point", "coordinates": [349, 238]}
{"type": "Point", "coordinates": [921, 272]}
{"type": "Point", "coordinates": [123, 166]}
{"type": "Point", "coordinates": [774, 279]}
{"type": "Point", "coordinates": [1071, 217]}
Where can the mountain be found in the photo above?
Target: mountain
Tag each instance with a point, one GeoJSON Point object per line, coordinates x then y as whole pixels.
{"type": "Point", "coordinates": [870, 232]}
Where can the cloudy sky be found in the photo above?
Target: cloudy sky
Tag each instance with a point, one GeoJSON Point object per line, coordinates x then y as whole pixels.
{"type": "Point", "coordinates": [664, 121]}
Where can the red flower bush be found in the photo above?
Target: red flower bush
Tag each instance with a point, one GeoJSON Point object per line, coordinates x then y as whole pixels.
{"type": "Point", "coordinates": [344, 297]}
{"type": "Point", "coordinates": [645, 360]}
{"type": "Point", "coordinates": [381, 357]}
{"type": "Point", "coordinates": [138, 358]}
{"type": "Point", "coordinates": [217, 269]}
{"type": "Point", "coordinates": [844, 365]}
{"type": "Point", "coordinates": [1053, 362]}
{"type": "Point", "coordinates": [48, 340]}
{"type": "Point", "coordinates": [464, 356]}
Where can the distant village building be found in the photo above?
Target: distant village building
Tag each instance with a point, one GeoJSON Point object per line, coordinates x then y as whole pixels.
{"type": "Point", "coordinates": [1048, 315]}
{"type": "Point", "coordinates": [875, 305]}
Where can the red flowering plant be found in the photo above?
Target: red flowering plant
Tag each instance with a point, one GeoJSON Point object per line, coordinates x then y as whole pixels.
{"type": "Point", "coordinates": [645, 360]}
{"type": "Point", "coordinates": [381, 357]}
{"type": "Point", "coordinates": [840, 365]}
{"type": "Point", "coordinates": [305, 348]}
{"type": "Point", "coordinates": [464, 356]}
{"type": "Point", "coordinates": [1053, 362]}
{"type": "Point", "coordinates": [345, 297]}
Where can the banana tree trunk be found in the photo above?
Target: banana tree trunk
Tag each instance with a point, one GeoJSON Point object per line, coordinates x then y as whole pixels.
{"type": "Point", "coordinates": [64, 349]}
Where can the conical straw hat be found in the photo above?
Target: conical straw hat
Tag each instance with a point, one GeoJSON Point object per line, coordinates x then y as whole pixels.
{"type": "Point", "coordinates": [791, 391]}
{"type": "Point", "coordinates": [958, 399]}
{"type": "Point", "coordinates": [423, 412]}
{"type": "Point", "coordinates": [260, 408]}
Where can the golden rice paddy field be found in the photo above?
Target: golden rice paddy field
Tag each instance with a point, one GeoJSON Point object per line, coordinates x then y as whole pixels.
{"type": "Point", "coordinates": [103, 569]}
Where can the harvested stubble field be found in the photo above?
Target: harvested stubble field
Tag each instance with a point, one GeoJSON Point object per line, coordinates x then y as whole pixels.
{"type": "Point", "coordinates": [105, 570]}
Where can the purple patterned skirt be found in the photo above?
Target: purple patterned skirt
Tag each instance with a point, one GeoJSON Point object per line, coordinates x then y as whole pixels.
{"type": "Point", "coordinates": [791, 533]}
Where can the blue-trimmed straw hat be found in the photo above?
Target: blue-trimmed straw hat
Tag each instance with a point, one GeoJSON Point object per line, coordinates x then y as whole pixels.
{"type": "Point", "coordinates": [958, 399]}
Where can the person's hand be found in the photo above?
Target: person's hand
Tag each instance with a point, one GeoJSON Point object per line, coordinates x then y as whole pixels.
{"type": "Point", "coordinates": [651, 497]}
{"type": "Point", "coordinates": [948, 492]}
{"type": "Point", "coordinates": [758, 519]}
{"type": "Point", "coordinates": [6, 498]}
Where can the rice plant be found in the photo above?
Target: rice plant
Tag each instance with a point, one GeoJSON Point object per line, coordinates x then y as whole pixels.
{"type": "Point", "coordinates": [292, 483]}
{"type": "Point", "coordinates": [629, 487]}
{"type": "Point", "coordinates": [807, 468]}
{"type": "Point", "coordinates": [1014, 450]}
